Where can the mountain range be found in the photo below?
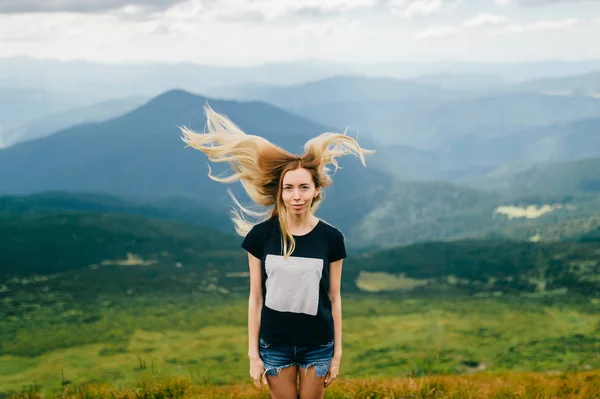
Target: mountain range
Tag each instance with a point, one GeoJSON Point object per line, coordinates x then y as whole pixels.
{"type": "Point", "coordinates": [410, 113]}
{"type": "Point", "coordinates": [19, 105]}
{"type": "Point", "coordinates": [46, 124]}
{"type": "Point", "coordinates": [140, 154]}
{"type": "Point", "coordinates": [152, 78]}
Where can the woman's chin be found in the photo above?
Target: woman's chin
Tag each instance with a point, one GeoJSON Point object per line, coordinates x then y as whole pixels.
{"type": "Point", "coordinates": [297, 211]}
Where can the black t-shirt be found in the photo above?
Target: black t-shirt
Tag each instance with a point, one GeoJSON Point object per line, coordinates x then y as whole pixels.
{"type": "Point", "coordinates": [296, 306]}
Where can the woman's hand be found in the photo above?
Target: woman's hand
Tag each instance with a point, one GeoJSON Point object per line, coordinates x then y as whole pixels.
{"type": "Point", "coordinates": [334, 369]}
{"type": "Point", "coordinates": [257, 371]}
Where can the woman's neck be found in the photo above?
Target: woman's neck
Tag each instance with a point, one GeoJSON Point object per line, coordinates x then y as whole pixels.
{"type": "Point", "coordinates": [301, 224]}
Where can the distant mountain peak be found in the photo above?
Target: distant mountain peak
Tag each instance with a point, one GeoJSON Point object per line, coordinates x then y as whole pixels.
{"type": "Point", "coordinates": [176, 95]}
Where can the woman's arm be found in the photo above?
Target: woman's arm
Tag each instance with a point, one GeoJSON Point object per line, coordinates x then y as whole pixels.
{"type": "Point", "coordinates": [255, 302]}
{"type": "Point", "coordinates": [335, 282]}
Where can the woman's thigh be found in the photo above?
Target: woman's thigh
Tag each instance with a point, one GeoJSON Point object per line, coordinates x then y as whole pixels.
{"type": "Point", "coordinates": [311, 386]}
{"type": "Point", "coordinates": [284, 385]}
{"type": "Point", "coordinates": [313, 363]}
{"type": "Point", "coordinates": [317, 357]}
{"type": "Point", "coordinates": [280, 369]}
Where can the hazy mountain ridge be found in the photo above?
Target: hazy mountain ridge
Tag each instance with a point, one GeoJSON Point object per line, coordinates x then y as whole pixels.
{"type": "Point", "coordinates": [341, 89]}
{"type": "Point", "coordinates": [19, 105]}
{"type": "Point", "coordinates": [560, 142]}
{"type": "Point", "coordinates": [46, 125]}
{"type": "Point", "coordinates": [584, 84]}
{"type": "Point", "coordinates": [143, 78]}
{"type": "Point", "coordinates": [141, 154]}
{"type": "Point", "coordinates": [140, 78]}
{"type": "Point", "coordinates": [435, 123]}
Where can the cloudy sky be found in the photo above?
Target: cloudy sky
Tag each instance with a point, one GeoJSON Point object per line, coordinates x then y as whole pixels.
{"type": "Point", "coordinates": [242, 32]}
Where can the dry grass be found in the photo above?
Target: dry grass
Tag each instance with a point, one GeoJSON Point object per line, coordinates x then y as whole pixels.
{"type": "Point", "coordinates": [570, 385]}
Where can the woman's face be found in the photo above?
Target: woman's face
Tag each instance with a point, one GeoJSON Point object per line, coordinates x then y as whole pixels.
{"type": "Point", "coordinates": [298, 191]}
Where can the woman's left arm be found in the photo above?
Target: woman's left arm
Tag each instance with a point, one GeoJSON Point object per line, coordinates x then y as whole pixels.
{"type": "Point", "coordinates": [335, 282]}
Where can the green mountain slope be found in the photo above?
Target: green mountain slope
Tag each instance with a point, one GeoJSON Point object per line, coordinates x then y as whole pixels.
{"type": "Point", "coordinates": [553, 143]}
{"type": "Point", "coordinates": [175, 208]}
{"type": "Point", "coordinates": [558, 178]}
{"type": "Point", "coordinates": [85, 254]}
{"type": "Point", "coordinates": [410, 212]}
{"type": "Point", "coordinates": [488, 266]}
{"type": "Point", "coordinates": [58, 242]}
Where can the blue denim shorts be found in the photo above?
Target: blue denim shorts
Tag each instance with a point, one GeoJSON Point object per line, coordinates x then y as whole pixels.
{"type": "Point", "coordinates": [276, 357]}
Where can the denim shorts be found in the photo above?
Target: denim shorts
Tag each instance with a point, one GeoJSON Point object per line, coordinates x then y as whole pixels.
{"type": "Point", "coordinates": [276, 357]}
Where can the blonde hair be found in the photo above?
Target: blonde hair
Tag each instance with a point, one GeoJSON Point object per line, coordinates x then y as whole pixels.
{"type": "Point", "coordinates": [260, 166]}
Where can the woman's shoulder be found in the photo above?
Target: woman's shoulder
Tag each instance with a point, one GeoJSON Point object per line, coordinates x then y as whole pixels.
{"type": "Point", "coordinates": [336, 240]}
{"type": "Point", "coordinates": [331, 229]}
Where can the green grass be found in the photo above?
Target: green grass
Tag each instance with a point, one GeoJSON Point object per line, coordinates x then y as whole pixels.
{"type": "Point", "coordinates": [203, 337]}
{"type": "Point", "coordinates": [487, 306]}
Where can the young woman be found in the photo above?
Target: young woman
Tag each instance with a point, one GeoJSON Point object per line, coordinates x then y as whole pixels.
{"type": "Point", "coordinates": [295, 259]}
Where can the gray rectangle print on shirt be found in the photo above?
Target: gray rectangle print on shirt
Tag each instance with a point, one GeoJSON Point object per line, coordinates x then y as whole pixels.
{"type": "Point", "coordinates": [293, 284]}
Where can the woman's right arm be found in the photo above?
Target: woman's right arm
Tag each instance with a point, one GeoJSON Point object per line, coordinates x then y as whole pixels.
{"type": "Point", "coordinates": [255, 302]}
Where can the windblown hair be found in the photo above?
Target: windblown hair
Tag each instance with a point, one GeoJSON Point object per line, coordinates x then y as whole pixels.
{"type": "Point", "coordinates": [260, 166]}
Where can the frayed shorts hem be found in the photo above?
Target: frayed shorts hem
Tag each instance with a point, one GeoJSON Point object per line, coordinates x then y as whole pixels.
{"type": "Point", "coordinates": [321, 369]}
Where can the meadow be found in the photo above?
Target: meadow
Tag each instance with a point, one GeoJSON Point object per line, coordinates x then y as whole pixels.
{"type": "Point", "coordinates": [85, 315]}
{"type": "Point", "coordinates": [53, 344]}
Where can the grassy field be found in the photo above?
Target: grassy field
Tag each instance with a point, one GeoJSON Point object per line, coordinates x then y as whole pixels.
{"type": "Point", "coordinates": [122, 340]}
{"type": "Point", "coordinates": [118, 300]}
{"type": "Point", "coordinates": [505, 385]}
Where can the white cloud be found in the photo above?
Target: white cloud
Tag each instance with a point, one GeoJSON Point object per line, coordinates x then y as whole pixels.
{"type": "Point", "coordinates": [195, 35]}
{"type": "Point", "coordinates": [417, 8]}
{"type": "Point", "coordinates": [78, 6]}
{"type": "Point", "coordinates": [38, 27]}
{"type": "Point", "coordinates": [274, 9]}
{"type": "Point", "coordinates": [187, 10]}
{"type": "Point", "coordinates": [505, 3]}
{"type": "Point", "coordinates": [437, 31]}
{"type": "Point", "coordinates": [226, 32]}
{"type": "Point", "coordinates": [538, 26]}
{"type": "Point", "coordinates": [148, 6]}
{"type": "Point", "coordinates": [485, 20]}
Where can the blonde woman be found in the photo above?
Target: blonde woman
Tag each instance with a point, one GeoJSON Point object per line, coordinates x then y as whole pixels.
{"type": "Point", "coordinates": [295, 259]}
